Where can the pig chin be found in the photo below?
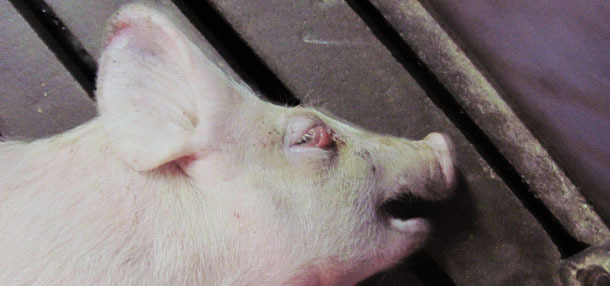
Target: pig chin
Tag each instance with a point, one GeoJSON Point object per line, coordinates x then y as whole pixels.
{"type": "Point", "coordinates": [400, 243]}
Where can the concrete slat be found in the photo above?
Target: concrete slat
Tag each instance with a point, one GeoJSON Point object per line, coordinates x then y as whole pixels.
{"type": "Point", "coordinates": [38, 97]}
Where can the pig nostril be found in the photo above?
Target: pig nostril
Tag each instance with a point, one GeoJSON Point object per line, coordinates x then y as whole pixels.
{"type": "Point", "coordinates": [406, 206]}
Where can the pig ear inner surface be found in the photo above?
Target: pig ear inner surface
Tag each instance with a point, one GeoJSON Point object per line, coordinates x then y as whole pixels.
{"type": "Point", "coordinates": [157, 93]}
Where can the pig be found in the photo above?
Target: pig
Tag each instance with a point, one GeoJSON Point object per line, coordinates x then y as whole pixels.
{"type": "Point", "coordinates": [187, 178]}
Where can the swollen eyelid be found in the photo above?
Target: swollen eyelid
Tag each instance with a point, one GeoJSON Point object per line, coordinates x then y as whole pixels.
{"type": "Point", "coordinates": [318, 136]}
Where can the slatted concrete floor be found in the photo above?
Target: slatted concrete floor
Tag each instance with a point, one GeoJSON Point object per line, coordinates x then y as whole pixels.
{"type": "Point", "coordinates": [328, 54]}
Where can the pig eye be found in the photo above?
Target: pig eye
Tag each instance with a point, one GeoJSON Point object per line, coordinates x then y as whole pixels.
{"type": "Point", "coordinates": [318, 136]}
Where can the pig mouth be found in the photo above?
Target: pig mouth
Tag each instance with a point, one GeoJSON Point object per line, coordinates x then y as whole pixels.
{"type": "Point", "coordinates": [407, 206]}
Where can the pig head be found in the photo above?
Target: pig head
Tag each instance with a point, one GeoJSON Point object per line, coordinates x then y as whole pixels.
{"type": "Point", "coordinates": [187, 178]}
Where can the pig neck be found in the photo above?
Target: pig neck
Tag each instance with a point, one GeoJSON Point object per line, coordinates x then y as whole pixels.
{"type": "Point", "coordinates": [71, 205]}
{"type": "Point", "coordinates": [72, 194]}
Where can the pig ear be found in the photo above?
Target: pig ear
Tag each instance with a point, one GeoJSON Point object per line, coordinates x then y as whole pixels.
{"type": "Point", "coordinates": [158, 95]}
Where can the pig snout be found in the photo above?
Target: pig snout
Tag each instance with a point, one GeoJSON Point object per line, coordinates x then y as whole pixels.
{"type": "Point", "coordinates": [422, 168]}
{"type": "Point", "coordinates": [422, 174]}
{"type": "Point", "coordinates": [444, 153]}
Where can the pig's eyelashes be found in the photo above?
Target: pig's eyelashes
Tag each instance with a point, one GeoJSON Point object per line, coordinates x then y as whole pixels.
{"type": "Point", "coordinates": [317, 136]}
{"type": "Point", "coordinates": [306, 132]}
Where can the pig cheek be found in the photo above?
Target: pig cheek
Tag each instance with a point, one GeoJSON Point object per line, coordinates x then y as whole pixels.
{"type": "Point", "coordinates": [269, 140]}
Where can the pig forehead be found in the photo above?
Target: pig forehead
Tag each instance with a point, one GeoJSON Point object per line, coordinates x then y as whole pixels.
{"type": "Point", "coordinates": [314, 114]}
{"type": "Point", "coordinates": [282, 115]}
{"type": "Point", "coordinates": [274, 118]}
{"type": "Point", "coordinates": [330, 117]}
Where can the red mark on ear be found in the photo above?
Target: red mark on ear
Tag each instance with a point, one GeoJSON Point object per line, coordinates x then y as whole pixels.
{"type": "Point", "coordinates": [115, 30]}
{"type": "Point", "coordinates": [177, 167]}
{"type": "Point", "coordinates": [185, 162]}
